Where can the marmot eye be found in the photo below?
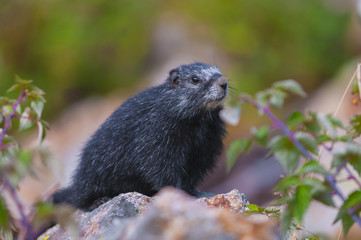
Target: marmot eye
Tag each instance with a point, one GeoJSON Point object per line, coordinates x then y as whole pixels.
{"type": "Point", "coordinates": [195, 79]}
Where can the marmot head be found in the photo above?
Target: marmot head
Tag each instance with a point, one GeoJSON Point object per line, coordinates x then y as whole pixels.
{"type": "Point", "coordinates": [198, 85]}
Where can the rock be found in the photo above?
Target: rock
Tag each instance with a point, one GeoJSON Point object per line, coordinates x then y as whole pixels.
{"type": "Point", "coordinates": [234, 201]}
{"type": "Point", "coordinates": [172, 214]}
{"type": "Point", "coordinates": [91, 223]}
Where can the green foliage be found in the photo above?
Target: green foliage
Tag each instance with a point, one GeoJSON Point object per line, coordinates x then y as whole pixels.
{"type": "Point", "coordinates": [18, 115]}
{"type": "Point", "coordinates": [353, 203]}
{"type": "Point", "coordinates": [241, 145]}
{"type": "Point", "coordinates": [79, 48]}
{"type": "Point", "coordinates": [261, 135]}
{"type": "Point", "coordinates": [285, 152]}
{"type": "Point", "coordinates": [4, 214]}
{"type": "Point", "coordinates": [295, 118]}
{"type": "Point", "coordinates": [259, 35]}
{"type": "Point", "coordinates": [311, 166]}
{"type": "Point", "coordinates": [75, 48]}
{"type": "Point", "coordinates": [354, 129]}
{"type": "Point", "coordinates": [290, 86]}
{"type": "Point", "coordinates": [255, 209]}
{"type": "Point", "coordinates": [296, 150]}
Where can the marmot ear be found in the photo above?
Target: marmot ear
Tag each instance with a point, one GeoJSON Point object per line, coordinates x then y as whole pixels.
{"type": "Point", "coordinates": [174, 77]}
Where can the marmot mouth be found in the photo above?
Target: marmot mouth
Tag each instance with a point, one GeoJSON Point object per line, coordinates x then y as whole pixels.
{"type": "Point", "coordinates": [213, 103]}
{"type": "Point", "coordinates": [220, 98]}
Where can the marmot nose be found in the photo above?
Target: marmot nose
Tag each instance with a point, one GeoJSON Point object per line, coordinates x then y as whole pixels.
{"type": "Point", "coordinates": [222, 82]}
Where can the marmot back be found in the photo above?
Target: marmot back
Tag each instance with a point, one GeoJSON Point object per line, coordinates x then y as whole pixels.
{"type": "Point", "coordinates": [168, 135]}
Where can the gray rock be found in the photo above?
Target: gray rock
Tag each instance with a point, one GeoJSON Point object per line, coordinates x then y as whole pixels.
{"type": "Point", "coordinates": [172, 214]}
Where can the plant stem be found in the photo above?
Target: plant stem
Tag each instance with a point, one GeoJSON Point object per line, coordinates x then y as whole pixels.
{"type": "Point", "coordinates": [331, 180]}
{"type": "Point", "coordinates": [286, 131]}
{"type": "Point", "coordinates": [26, 229]}
{"type": "Point", "coordinates": [277, 123]}
{"type": "Point", "coordinates": [351, 176]}
{"type": "Point", "coordinates": [12, 115]}
{"type": "Point", "coordinates": [2, 147]}
{"type": "Point", "coordinates": [24, 222]}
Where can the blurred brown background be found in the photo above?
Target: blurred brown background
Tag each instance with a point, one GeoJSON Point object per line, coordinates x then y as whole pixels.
{"type": "Point", "coordinates": [89, 56]}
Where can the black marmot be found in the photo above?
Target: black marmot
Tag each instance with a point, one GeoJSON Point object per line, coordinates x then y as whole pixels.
{"type": "Point", "coordinates": [168, 135]}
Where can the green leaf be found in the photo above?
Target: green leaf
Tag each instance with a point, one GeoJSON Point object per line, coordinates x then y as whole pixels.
{"type": "Point", "coordinates": [37, 106]}
{"type": "Point", "coordinates": [288, 223]}
{"type": "Point", "coordinates": [287, 182]}
{"type": "Point", "coordinates": [335, 121]}
{"type": "Point", "coordinates": [285, 152]}
{"type": "Point", "coordinates": [238, 146]}
{"type": "Point", "coordinates": [252, 207]}
{"type": "Point", "coordinates": [45, 213]}
{"type": "Point", "coordinates": [7, 110]}
{"type": "Point", "coordinates": [15, 87]}
{"type": "Point", "coordinates": [261, 135]}
{"type": "Point", "coordinates": [272, 96]}
{"type": "Point", "coordinates": [351, 152]}
{"type": "Point", "coordinates": [325, 198]}
{"type": "Point", "coordinates": [25, 158]}
{"type": "Point", "coordinates": [312, 124]}
{"type": "Point", "coordinates": [315, 185]}
{"type": "Point", "coordinates": [296, 118]}
{"type": "Point", "coordinates": [352, 203]}
{"type": "Point", "coordinates": [347, 222]}
{"type": "Point", "coordinates": [307, 141]}
{"type": "Point", "coordinates": [37, 93]}
{"type": "Point", "coordinates": [311, 166]}
{"type": "Point", "coordinates": [4, 100]}
{"type": "Point", "coordinates": [329, 123]}
{"type": "Point", "coordinates": [355, 162]}
{"type": "Point", "coordinates": [22, 82]}
{"type": "Point", "coordinates": [276, 97]}
{"type": "Point", "coordinates": [45, 124]}
{"type": "Point", "coordinates": [25, 122]}
{"type": "Point", "coordinates": [18, 109]}
{"type": "Point", "coordinates": [353, 200]}
{"type": "Point", "coordinates": [355, 126]}
{"type": "Point", "coordinates": [290, 86]}
{"type": "Point", "coordinates": [44, 209]}
{"type": "Point", "coordinates": [271, 210]}
{"type": "Point", "coordinates": [323, 138]}
{"type": "Point", "coordinates": [4, 214]}
{"type": "Point", "coordinates": [262, 98]}
{"type": "Point", "coordinates": [302, 201]}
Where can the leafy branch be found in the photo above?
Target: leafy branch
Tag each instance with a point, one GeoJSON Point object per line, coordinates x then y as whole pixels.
{"type": "Point", "coordinates": [297, 149]}
{"type": "Point", "coordinates": [21, 113]}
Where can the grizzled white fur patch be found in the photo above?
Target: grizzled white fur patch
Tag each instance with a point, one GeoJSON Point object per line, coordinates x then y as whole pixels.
{"type": "Point", "coordinates": [212, 70]}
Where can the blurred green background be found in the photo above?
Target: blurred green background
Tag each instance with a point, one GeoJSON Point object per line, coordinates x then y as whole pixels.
{"type": "Point", "coordinates": [78, 48]}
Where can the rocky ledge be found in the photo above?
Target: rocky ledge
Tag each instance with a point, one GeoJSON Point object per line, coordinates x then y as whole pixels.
{"type": "Point", "coordinates": [171, 214]}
